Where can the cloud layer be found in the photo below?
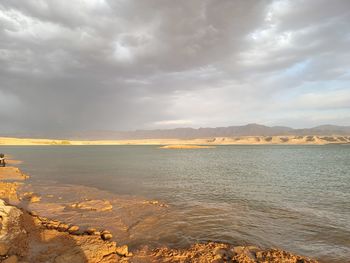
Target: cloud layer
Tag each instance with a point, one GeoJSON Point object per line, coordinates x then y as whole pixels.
{"type": "Point", "coordinates": [105, 64]}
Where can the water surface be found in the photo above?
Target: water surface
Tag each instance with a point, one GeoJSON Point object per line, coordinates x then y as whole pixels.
{"type": "Point", "coordinates": [291, 197]}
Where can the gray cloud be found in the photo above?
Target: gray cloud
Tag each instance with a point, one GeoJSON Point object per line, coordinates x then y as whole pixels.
{"type": "Point", "coordinates": [99, 64]}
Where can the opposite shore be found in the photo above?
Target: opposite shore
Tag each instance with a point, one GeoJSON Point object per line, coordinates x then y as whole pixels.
{"type": "Point", "coordinates": [237, 140]}
{"type": "Point", "coordinates": [27, 236]}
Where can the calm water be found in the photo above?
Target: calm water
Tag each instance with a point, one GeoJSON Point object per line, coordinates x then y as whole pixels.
{"type": "Point", "coordinates": [292, 197]}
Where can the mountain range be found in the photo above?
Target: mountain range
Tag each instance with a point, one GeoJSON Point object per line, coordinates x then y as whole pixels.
{"type": "Point", "coordinates": [192, 133]}
{"type": "Point", "coordinates": [252, 129]}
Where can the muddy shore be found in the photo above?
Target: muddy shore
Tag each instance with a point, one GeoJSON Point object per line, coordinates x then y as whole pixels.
{"type": "Point", "coordinates": [28, 236]}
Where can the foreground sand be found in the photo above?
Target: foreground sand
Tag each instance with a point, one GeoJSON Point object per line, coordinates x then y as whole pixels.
{"type": "Point", "coordinates": [242, 140]}
{"type": "Point", "coordinates": [29, 237]}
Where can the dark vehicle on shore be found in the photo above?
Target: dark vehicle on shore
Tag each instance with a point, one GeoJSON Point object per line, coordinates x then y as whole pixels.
{"type": "Point", "coordinates": [2, 160]}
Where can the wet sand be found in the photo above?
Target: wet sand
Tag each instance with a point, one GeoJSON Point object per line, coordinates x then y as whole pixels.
{"type": "Point", "coordinates": [68, 223]}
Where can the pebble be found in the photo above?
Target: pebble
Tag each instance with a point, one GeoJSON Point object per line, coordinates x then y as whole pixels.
{"type": "Point", "coordinates": [35, 199]}
{"type": "Point", "coordinates": [62, 227]}
{"type": "Point", "coordinates": [106, 236]}
{"type": "Point", "coordinates": [33, 213]}
{"type": "Point", "coordinates": [43, 219]}
{"type": "Point", "coordinates": [73, 229]}
{"type": "Point", "coordinates": [90, 230]}
{"type": "Point", "coordinates": [122, 251]}
{"type": "Point", "coordinates": [51, 225]}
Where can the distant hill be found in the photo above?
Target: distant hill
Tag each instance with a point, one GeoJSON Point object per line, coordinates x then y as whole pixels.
{"type": "Point", "coordinates": [191, 133]}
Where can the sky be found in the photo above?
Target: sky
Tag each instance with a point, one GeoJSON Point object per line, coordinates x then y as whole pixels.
{"type": "Point", "coordinates": [156, 64]}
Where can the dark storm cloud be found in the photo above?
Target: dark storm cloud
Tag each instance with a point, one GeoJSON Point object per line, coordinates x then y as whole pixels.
{"type": "Point", "coordinates": [95, 64]}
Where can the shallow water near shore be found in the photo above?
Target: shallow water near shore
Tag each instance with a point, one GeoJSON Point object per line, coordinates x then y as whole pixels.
{"type": "Point", "coordinates": [292, 197]}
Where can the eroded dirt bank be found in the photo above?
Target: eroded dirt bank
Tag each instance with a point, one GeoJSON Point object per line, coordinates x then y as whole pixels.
{"type": "Point", "coordinates": [30, 237]}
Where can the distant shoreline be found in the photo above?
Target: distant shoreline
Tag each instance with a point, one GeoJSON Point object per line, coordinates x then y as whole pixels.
{"type": "Point", "coordinates": [211, 141]}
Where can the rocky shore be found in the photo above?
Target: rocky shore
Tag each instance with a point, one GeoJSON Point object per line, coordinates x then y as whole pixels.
{"type": "Point", "coordinates": [26, 236]}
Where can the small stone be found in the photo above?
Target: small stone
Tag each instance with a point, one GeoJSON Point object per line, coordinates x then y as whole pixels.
{"type": "Point", "coordinates": [49, 226]}
{"type": "Point", "coordinates": [92, 205]}
{"type": "Point", "coordinates": [106, 236]}
{"type": "Point", "coordinates": [35, 199]}
{"type": "Point", "coordinates": [223, 253]}
{"type": "Point", "coordinates": [4, 248]}
{"type": "Point", "coordinates": [11, 259]}
{"type": "Point", "coordinates": [62, 227]}
{"type": "Point", "coordinates": [43, 219]}
{"type": "Point", "coordinates": [32, 197]}
{"type": "Point", "coordinates": [33, 213]}
{"type": "Point", "coordinates": [52, 224]}
{"type": "Point", "coordinates": [122, 251]}
{"type": "Point", "coordinates": [73, 229]}
{"type": "Point", "coordinates": [91, 230]}
{"type": "Point", "coordinates": [97, 233]}
{"type": "Point", "coordinates": [37, 221]}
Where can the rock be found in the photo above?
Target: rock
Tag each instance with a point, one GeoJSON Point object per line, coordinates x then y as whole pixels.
{"type": "Point", "coordinates": [53, 224]}
{"type": "Point", "coordinates": [105, 232]}
{"type": "Point", "coordinates": [106, 235]}
{"type": "Point", "coordinates": [33, 213]}
{"type": "Point", "coordinates": [276, 256]}
{"type": "Point", "coordinates": [31, 197]}
{"type": "Point", "coordinates": [244, 254]}
{"type": "Point", "coordinates": [11, 259]}
{"type": "Point", "coordinates": [122, 250]}
{"type": "Point", "coordinates": [11, 222]}
{"type": "Point", "coordinates": [43, 219]}
{"type": "Point", "coordinates": [37, 221]}
{"type": "Point", "coordinates": [92, 205]}
{"type": "Point", "coordinates": [223, 253]}
{"type": "Point", "coordinates": [97, 233]}
{"type": "Point", "coordinates": [73, 229]}
{"type": "Point", "coordinates": [90, 230]}
{"type": "Point", "coordinates": [62, 227]}
{"type": "Point", "coordinates": [4, 248]}
{"type": "Point", "coordinates": [35, 199]}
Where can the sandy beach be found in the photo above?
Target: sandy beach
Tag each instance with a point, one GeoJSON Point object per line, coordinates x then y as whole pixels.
{"type": "Point", "coordinates": [36, 230]}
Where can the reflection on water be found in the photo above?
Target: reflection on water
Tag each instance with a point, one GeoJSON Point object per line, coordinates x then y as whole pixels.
{"type": "Point", "coordinates": [291, 197]}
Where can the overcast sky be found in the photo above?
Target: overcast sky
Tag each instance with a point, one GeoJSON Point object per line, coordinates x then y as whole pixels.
{"type": "Point", "coordinates": [69, 65]}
